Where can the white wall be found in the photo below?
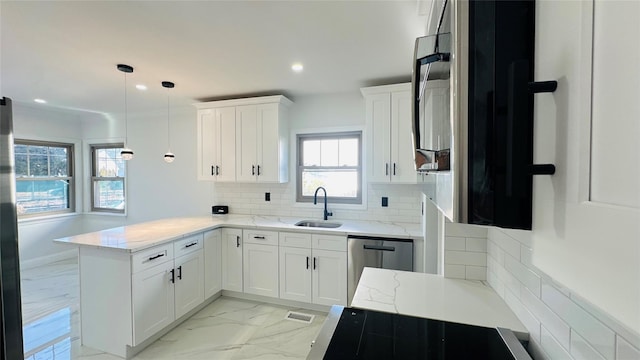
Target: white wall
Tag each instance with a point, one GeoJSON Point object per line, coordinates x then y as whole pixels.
{"type": "Point", "coordinates": [40, 123]}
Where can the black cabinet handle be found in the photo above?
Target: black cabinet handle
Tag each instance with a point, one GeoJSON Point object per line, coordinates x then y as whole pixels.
{"type": "Point", "coordinates": [253, 169]}
{"type": "Point", "coordinates": [192, 244]}
{"type": "Point", "coordinates": [394, 169]}
{"type": "Point", "coordinates": [259, 237]}
{"type": "Point", "coordinates": [173, 278]}
{"type": "Point", "coordinates": [386, 168]}
{"type": "Point", "coordinates": [307, 262]}
{"type": "Point", "coordinates": [237, 241]}
{"type": "Point", "coordinates": [180, 272]}
{"type": "Point", "coordinates": [155, 257]}
{"type": "Point", "coordinates": [258, 170]}
{"type": "Point", "coordinates": [217, 170]}
{"type": "Point", "coordinates": [212, 170]}
{"type": "Point", "coordinates": [314, 263]}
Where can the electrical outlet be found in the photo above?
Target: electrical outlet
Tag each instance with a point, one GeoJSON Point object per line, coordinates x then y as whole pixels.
{"type": "Point", "coordinates": [267, 196]}
{"type": "Point", "coordinates": [385, 201]}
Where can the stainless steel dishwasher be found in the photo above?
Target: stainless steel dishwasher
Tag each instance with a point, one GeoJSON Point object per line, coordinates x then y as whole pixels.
{"type": "Point", "coordinates": [376, 252]}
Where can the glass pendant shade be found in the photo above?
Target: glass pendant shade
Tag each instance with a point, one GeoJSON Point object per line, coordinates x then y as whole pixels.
{"type": "Point", "coordinates": [126, 154]}
{"type": "Point", "coordinates": [169, 157]}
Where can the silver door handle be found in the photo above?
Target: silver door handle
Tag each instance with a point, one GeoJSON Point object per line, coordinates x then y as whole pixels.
{"type": "Point", "coordinates": [375, 247]}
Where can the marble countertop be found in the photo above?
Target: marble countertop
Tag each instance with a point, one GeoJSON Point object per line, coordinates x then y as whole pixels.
{"type": "Point", "coordinates": [141, 236]}
{"type": "Point", "coordinates": [435, 297]}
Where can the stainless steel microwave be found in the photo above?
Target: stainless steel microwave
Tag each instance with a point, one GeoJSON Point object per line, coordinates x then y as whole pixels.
{"type": "Point", "coordinates": [472, 112]}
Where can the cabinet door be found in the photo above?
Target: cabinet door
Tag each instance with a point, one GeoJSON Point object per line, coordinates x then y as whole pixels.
{"type": "Point", "coordinates": [268, 143]}
{"type": "Point", "coordinates": [378, 115]}
{"type": "Point", "coordinates": [260, 269]}
{"type": "Point", "coordinates": [206, 144]}
{"type": "Point", "coordinates": [226, 144]}
{"type": "Point", "coordinates": [329, 279]}
{"type": "Point", "coordinates": [232, 259]}
{"type": "Point", "coordinates": [153, 301]}
{"type": "Point", "coordinates": [402, 168]}
{"type": "Point", "coordinates": [212, 263]}
{"type": "Point", "coordinates": [247, 142]}
{"type": "Point", "coordinates": [295, 274]}
{"type": "Point", "coordinates": [189, 282]}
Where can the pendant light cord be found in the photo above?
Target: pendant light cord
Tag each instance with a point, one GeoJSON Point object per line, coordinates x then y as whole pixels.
{"type": "Point", "coordinates": [126, 123]}
{"type": "Point", "coordinates": [168, 130]}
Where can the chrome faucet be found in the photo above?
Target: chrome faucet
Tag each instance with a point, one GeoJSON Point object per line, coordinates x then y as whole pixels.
{"type": "Point", "coordinates": [315, 201]}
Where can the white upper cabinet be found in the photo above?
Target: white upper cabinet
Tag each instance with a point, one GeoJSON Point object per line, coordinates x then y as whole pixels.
{"type": "Point", "coordinates": [244, 140]}
{"type": "Point", "coordinates": [389, 138]}
{"type": "Point", "coordinates": [217, 144]}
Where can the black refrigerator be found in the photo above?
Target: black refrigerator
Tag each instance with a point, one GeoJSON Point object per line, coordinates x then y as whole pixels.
{"type": "Point", "coordinates": [11, 308]}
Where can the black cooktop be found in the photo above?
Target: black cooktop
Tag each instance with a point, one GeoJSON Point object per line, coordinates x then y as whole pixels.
{"type": "Point", "coordinates": [363, 334]}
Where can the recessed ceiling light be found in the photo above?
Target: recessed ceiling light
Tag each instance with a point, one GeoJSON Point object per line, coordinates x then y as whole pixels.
{"type": "Point", "coordinates": [141, 87]}
{"type": "Point", "coordinates": [297, 67]}
{"type": "Point", "coordinates": [40, 101]}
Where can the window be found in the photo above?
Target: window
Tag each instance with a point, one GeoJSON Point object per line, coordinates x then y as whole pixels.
{"type": "Point", "coordinates": [44, 178]}
{"type": "Point", "coordinates": [107, 178]}
{"type": "Point", "coordinates": [332, 161]}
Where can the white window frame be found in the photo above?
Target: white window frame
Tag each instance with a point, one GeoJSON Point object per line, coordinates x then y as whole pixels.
{"type": "Point", "coordinates": [70, 177]}
{"type": "Point", "coordinates": [94, 178]}
{"type": "Point", "coordinates": [300, 137]}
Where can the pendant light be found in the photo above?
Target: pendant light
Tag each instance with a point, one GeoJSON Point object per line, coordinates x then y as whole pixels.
{"type": "Point", "coordinates": [126, 153]}
{"type": "Point", "coordinates": [169, 156]}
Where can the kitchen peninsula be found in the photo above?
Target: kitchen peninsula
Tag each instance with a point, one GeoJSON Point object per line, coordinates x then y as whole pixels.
{"type": "Point", "coordinates": [137, 282]}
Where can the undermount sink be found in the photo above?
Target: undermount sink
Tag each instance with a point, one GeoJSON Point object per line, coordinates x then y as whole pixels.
{"type": "Point", "coordinates": [318, 224]}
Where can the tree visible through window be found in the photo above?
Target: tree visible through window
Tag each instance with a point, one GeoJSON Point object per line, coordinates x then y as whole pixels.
{"type": "Point", "coordinates": [332, 161]}
{"type": "Point", "coordinates": [107, 178]}
{"type": "Point", "coordinates": [44, 177]}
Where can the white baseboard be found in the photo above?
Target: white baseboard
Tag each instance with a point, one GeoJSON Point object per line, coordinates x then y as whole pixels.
{"type": "Point", "coordinates": [48, 259]}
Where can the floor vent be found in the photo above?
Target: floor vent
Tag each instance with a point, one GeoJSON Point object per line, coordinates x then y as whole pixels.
{"type": "Point", "coordinates": [300, 317]}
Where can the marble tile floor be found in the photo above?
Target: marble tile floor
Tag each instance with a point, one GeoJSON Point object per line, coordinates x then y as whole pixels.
{"type": "Point", "coordinates": [228, 328]}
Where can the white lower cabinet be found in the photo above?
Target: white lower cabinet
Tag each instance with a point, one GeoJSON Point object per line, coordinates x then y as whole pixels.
{"type": "Point", "coordinates": [153, 301]}
{"type": "Point", "coordinates": [313, 268]}
{"type": "Point", "coordinates": [189, 282]}
{"type": "Point", "coordinates": [212, 262]}
{"type": "Point", "coordinates": [260, 259]}
{"type": "Point", "coordinates": [168, 290]}
{"type": "Point", "coordinates": [232, 245]}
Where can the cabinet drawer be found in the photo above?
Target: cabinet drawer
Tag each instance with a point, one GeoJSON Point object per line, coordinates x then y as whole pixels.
{"type": "Point", "coordinates": [329, 242]}
{"type": "Point", "coordinates": [260, 237]}
{"type": "Point", "coordinates": [296, 240]}
{"type": "Point", "coordinates": [187, 245]}
{"type": "Point", "coordinates": [149, 258]}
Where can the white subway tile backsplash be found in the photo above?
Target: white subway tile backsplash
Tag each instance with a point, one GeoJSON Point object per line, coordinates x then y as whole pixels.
{"type": "Point", "coordinates": [527, 277]}
{"type": "Point", "coordinates": [570, 327]}
{"type": "Point", "coordinates": [495, 252]}
{"type": "Point", "coordinates": [475, 272]}
{"type": "Point", "coordinates": [597, 334]}
{"type": "Point", "coordinates": [556, 326]}
{"type": "Point", "coordinates": [626, 351]}
{"type": "Point", "coordinates": [581, 349]}
{"type": "Point", "coordinates": [509, 281]}
{"type": "Point", "coordinates": [465, 258]}
{"type": "Point", "coordinates": [465, 230]}
{"type": "Point", "coordinates": [528, 320]}
{"type": "Point", "coordinates": [507, 243]}
{"type": "Point", "coordinates": [454, 271]}
{"type": "Point", "coordinates": [476, 244]}
{"type": "Point", "coordinates": [454, 243]}
{"type": "Point", "coordinates": [551, 346]}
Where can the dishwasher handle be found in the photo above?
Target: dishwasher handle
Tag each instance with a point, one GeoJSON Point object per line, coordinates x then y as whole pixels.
{"type": "Point", "coordinates": [381, 248]}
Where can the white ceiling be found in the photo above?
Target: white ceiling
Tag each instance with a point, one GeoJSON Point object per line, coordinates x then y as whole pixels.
{"type": "Point", "coordinates": [66, 51]}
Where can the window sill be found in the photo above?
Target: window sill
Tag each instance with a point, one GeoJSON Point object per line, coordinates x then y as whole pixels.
{"type": "Point", "coordinates": [43, 218]}
{"type": "Point", "coordinates": [101, 213]}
